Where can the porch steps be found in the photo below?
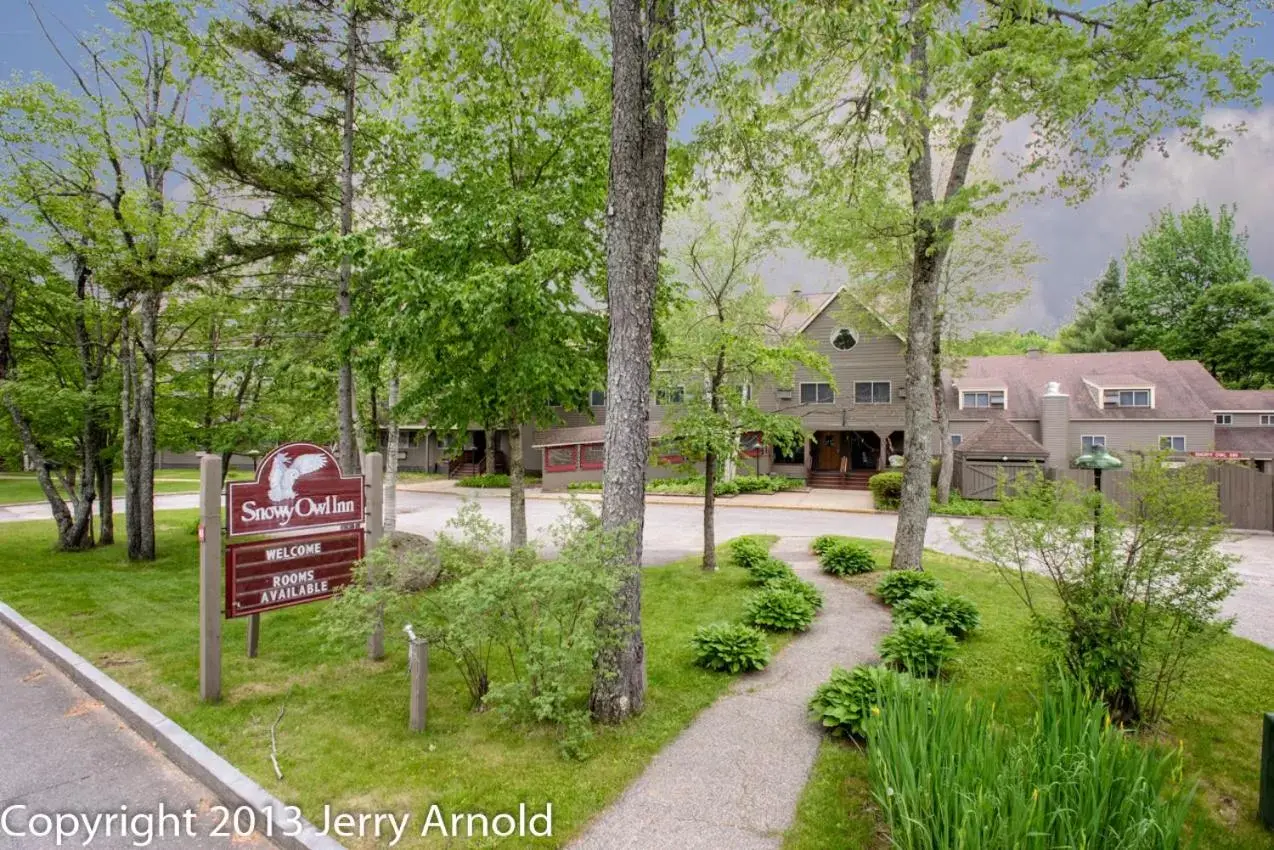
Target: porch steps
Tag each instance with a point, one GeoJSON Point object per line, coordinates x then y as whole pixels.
{"type": "Point", "coordinates": [831, 480]}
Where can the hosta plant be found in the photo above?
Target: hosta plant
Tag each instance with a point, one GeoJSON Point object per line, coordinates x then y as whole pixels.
{"type": "Point", "coordinates": [898, 585]}
{"type": "Point", "coordinates": [780, 609]}
{"type": "Point", "coordinates": [770, 569]}
{"type": "Point", "coordinates": [918, 648]}
{"type": "Point", "coordinates": [747, 552]}
{"type": "Point", "coordinates": [956, 614]}
{"type": "Point", "coordinates": [824, 542]}
{"type": "Point", "coordinates": [800, 586]}
{"type": "Point", "coordinates": [843, 703]}
{"type": "Point", "coordinates": [730, 648]}
{"type": "Point", "coordinates": [846, 558]}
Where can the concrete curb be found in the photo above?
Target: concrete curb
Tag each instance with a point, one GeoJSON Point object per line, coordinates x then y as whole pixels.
{"type": "Point", "coordinates": [183, 749]}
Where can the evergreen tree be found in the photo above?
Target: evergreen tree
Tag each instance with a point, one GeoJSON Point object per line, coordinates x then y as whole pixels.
{"type": "Point", "coordinates": [1102, 321]}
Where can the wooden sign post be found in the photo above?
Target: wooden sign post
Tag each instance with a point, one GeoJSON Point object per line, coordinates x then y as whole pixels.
{"type": "Point", "coordinates": [1265, 805]}
{"type": "Point", "coordinates": [375, 525]}
{"type": "Point", "coordinates": [210, 578]}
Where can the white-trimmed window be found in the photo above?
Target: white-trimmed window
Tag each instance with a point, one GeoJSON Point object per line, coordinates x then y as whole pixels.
{"type": "Point", "coordinates": [597, 398]}
{"type": "Point", "coordinates": [670, 395]}
{"type": "Point", "coordinates": [817, 394]}
{"type": "Point", "coordinates": [991, 399]}
{"type": "Point", "coordinates": [873, 392]}
{"type": "Point", "coordinates": [1225, 419]}
{"type": "Point", "coordinates": [956, 439]}
{"type": "Point", "coordinates": [1173, 443]}
{"type": "Point", "coordinates": [1267, 418]}
{"type": "Point", "coordinates": [1087, 441]}
{"type": "Point", "coordinates": [1136, 397]}
{"type": "Point", "coordinates": [843, 339]}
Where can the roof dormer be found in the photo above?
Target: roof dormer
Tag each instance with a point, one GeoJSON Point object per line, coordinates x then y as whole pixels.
{"type": "Point", "coordinates": [981, 394]}
{"type": "Point", "coordinates": [1115, 391]}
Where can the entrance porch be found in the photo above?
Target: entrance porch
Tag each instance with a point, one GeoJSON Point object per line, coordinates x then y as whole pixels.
{"type": "Point", "coordinates": [847, 459]}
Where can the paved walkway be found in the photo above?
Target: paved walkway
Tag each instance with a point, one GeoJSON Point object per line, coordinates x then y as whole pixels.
{"type": "Point", "coordinates": [63, 751]}
{"type": "Point", "coordinates": [734, 776]}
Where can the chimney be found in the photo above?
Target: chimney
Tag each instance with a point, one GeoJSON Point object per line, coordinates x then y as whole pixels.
{"type": "Point", "coordinates": [1055, 425]}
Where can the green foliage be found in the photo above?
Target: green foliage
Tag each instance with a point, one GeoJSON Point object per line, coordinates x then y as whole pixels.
{"type": "Point", "coordinates": [844, 703]}
{"type": "Point", "coordinates": [918, 648]}
{"type": "Point", "coordinates": [778, 607]}
{"type": "Point", "coordinates": [988, 343]}
{"type": "Point", "coordinates": [748, 552]}
{"type": "Point", "coordinates": [886, 490]}
{"type": "Point", "coordinates": [846, 558]}
{"type": "Point", "coordinates": [957, 505]}
{"type": "Point", "coordinates": [1132, 603]}
{"type": "Point", "coordinates": [1068, 778]}
{"type": "Point", "coordinates": [765, 483]}
{"type": "Point", "coordinates": [898, 585]}
{"type": "Point", "coordinates": [1102, 321]}
{"type": "Point", "coordinates": [770, 569]}
{"type": "Point", "coordinates": [591, 486]}
{"type": "Point", "coordinates": [730, 648]}
{"type": "Point", "coordinates": [487, 479]}
{"type": "Point", "coordinates": [956, 614]}
{"type": "Point", "coordinates": [823, 542]}
{"type": "Point", "coordinates": [799, 586]}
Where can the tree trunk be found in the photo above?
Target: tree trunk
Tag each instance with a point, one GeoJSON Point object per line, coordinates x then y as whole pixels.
{"type": "Point", "coordinates": [488, 460]}
{"type": "Point", "coordinates": [345, 378]}
{"type": "Point", "coordinates": [709, 512]}
{"type": "Point", "coordinates": [946, 464]}
{"type": "Point", "coordinates": [642, 37]}
{"type": "Point", "coordinates": [105, 503]}
{"type": "Point", "coordinates": [391, 457]}
{"type": "Point", "coordinates": [517, 489]}
{"type": "Point", "coordinates": [142, 546]}
{"type": "Point", "coordinates": [128, 429]}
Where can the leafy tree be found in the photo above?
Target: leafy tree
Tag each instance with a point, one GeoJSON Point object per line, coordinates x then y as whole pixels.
{"type": "Point", "coordinates": [858, 104]}
{"type": "Point", "coordinates": [722, 344]}
{"type": "Point", "coordinates": [498, 210]}
{"type": "Point", "coordinates": [1230, 329]}
{"type": "Point", "coordinates": [1175, 261]}
{"type": "Point", "coordinates": [1103, 321]}
{"type": "Point", "coordinates": [990, 343]}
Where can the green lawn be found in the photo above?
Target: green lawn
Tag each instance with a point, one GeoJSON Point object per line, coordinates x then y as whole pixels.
{"type": "Point", "coordinates": [18, 488]}
{"type": "Point", "coordinates": [1217, 722]}
{"type": "Point", "coordinates": [344, 739]}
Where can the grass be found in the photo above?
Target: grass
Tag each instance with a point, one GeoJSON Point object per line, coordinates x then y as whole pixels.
{"type": "Point", "coordinates": [1216, 721]}
{"type": "Point", "coordinates": [17, 488]}
{"type": "Point", "coordinates": [344, 739]}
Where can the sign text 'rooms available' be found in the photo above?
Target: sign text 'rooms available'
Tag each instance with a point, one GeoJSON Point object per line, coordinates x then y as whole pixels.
{"type": "Point", "coordinates": [269, 574]}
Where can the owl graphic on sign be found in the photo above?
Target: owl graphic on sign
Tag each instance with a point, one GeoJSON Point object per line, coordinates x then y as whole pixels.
{"type": "Point", "coordinates": [285, 471]}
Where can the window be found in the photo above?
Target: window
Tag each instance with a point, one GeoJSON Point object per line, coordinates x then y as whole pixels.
{"type": "Point", "coordinates": [745, 392]}
{"type": "Point", "coordinates": [560, 459]}
{"type": "Point", "coordinates": [590, 456]}
{"type": "Point", "coordinates": [817, 394]}
{"type": "Point", "coordinates": [795, 456]}
{"type": "Point", "coordinates": [1172, 444]}
{"type": "Point", "coordinates": [1126, 398]}
{"type": "Point", "coordinates": [843, 339]}
{"type": "Point", "coordinates": [669, 395]}
{"type": "Point", "coordinates": [1267, 418]}
{"type": "Point", "coordinates": [1224, 419]}
{"type": "Point", "coordinates": [1087, 441]}
{"type": "Point", "coordinates": [872, 392]}
{"type": "Point", "coordinates": [956, 440]}
{"type": "Point", "coordinates": [597, 398]}
{"type": "Point", "coordinates": [983, 398]}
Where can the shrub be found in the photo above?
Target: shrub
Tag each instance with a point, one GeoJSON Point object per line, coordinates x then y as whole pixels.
{"type": "Point", "coordinates": [771, 569]}
{"type": "Point", "coordinates": [846, 558]}
{"type": "Point", "coordinates": [1134, 595]}
{"type": "Point", "coordinates": [824, 542]}
{"type": "Point", "coordinates": [747, 552]}
{"type": "Point", "coordinates": [726, 488]}
{"type": "Point", "coordinates": [584, 485]}
{"type": "Point", "coordinates": [897, 585]}
{"type": "Point", "coordinates": [843, 703]}
{"type": "Point", "coordinates": [792, 582]}
{"type": "Point", "coordinates": [918, 648]}
{"type": "Point", "coordinates": [940, 764]}
{"type": "Point", "coordinates": [488, 479]}
{"type": "Point", "coordinates": [766, 483]}
{"type": "Point", "coordinates": [730, 648]}
{"type": "Point", "coordinates": [780, 609]}
{"type": "Point", "coordinates": [957, 614]}
{"type": "Point", "coordinates": [886, 489]}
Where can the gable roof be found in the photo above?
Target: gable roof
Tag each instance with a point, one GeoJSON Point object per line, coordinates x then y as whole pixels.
{"type": "Point", "coordinates": [1177, 386]}
{"type": "Point", "coordinates": [1218, 397]}
{"type": "Point", "coordinates": [796, 311]}
{"type": "Point", "coordinates": [1001, 438]}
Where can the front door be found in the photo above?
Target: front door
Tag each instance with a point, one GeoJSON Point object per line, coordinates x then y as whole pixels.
{"type": "Point", "coordinates": [828, 450]}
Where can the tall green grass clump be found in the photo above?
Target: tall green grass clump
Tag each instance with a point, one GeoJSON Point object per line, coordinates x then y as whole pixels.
{"type": "Point", "coordinates": [946, 774]}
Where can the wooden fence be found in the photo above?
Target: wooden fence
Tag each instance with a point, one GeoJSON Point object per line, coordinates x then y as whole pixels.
{"type": "Point", "coordinates": [980, 479]}
{"type": "Point", "coordinates": [1247, 495]}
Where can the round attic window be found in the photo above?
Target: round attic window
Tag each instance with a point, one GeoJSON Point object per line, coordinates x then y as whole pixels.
{"type": "Point", "coordinates": [843, 339]}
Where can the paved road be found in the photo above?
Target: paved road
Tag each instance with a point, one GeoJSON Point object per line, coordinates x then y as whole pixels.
{"type": "Point", "coordinates": [63, 752]}
{"type": "Point", "coordinates": [674, 531]}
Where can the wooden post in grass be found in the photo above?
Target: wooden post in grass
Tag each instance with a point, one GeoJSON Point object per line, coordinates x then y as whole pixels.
{"type": "Point", "coordinates": [418, 665]}
{"type": "Point", "coordinates": [373, 476]}
{"type": "Point", "coordinates": [210, 578]}
{"type": "Point", "coordinates": [254, 634]}
{"type": "Point", "coordinates": [1265, 807]}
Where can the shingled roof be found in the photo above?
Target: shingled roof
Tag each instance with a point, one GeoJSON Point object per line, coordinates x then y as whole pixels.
{"type": "Point", "coordinates": [1001, 438]}
{"type": "Point", "coordinates": [1253, 442]}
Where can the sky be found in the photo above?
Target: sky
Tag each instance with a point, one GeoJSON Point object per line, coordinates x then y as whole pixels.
{"type": "Point", "coordinates": [1075, 243]}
